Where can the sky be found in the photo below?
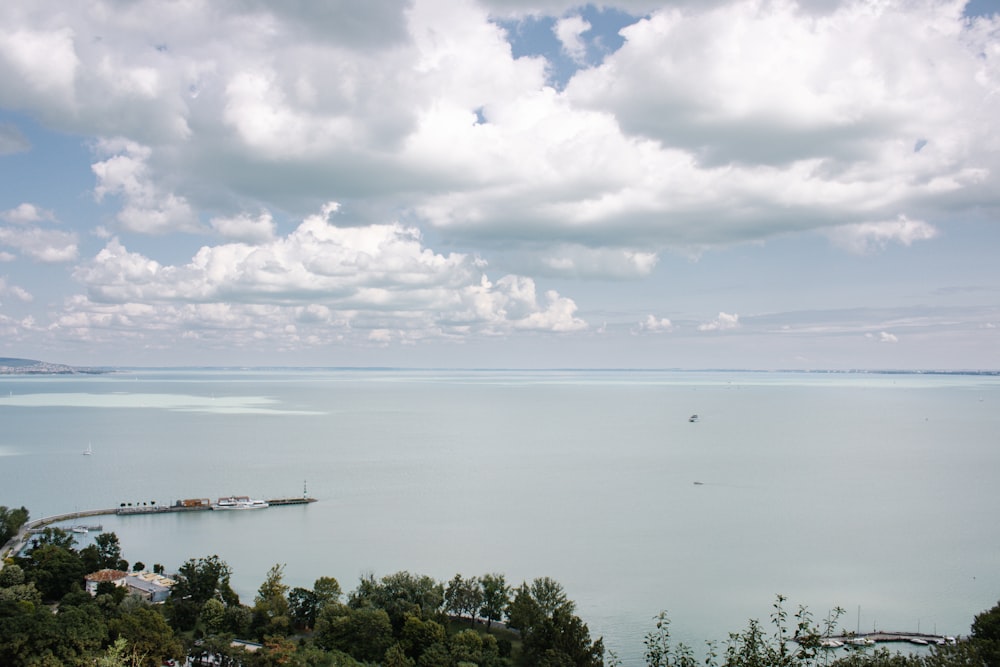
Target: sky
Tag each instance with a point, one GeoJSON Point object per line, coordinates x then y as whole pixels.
{"type": "Point", "coordinates": [753, 184]}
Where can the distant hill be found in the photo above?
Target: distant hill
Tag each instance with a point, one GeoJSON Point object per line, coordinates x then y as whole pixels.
{"type": "Point", "coordinates": [14, 366]}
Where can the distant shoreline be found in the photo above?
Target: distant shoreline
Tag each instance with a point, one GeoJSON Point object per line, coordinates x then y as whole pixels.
{"type": "Point", "coordinates": [15, 366]}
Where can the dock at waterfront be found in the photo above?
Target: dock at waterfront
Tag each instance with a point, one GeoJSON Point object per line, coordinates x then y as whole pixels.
{"type": "Point", "coordinates": [184, 506]}
{"type": "Point", "coordinates": [880, 637]}
{"type": "Point", "coordinates": [16, 543]}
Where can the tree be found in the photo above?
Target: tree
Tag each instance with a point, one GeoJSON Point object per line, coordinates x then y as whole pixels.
{"type": "Point", "coordinates": [238, 619]}
{"type": "Point", "coordinates": [148, 636]}
{"type": "Point", "coordinates": [419, 635]}
{"type": "Point", "coordinates": [986, 635]}
{"type": "Point", "coordinates": [466, 646]}
{"type": "Point", "coordinates": [109, 552]}
{"type": "Point", "coordinates": [54, 569]}
{"type": "Point", "coordinates": [660, 653]}
{"type": "Point", "coordinates": [496, 598]}
{"type": "Point", "coordinates": [11, 521]}
{"type": "Point", "coordinates": [11, 575]}
{"type": "Point", "coordinates": [463, 597]}
{"type": "Point", "coordinates": [81, 632]}
{"type": "Point", "coordinates": [305, 605]}
{"type": "Point", "coordinates": [276, 651]}
{"type": "Point", "coordinates": [364, 633]}
{"type": "Point", "coordinates": [201, 579]}
{"type": "Point", "coordinates": [115, 655]}
{"type": "Point", "coordinates": [550, 596]}
{"type": "Point", "coordinates": [562, 639]}
{"type": "Point", "coordinates": [400, 594]}
{"type": "Point", "coordinates": [271, 610]}
{"type": "Point", "coordinates": [396, 657]}
{"type": "Point", "coordinates": [213, 616]}
{"type": "Point", "coordinates": [53, 537]}
{"type": "Point", "coordinates": [327, 589]}
{"type": "Point", "coordinates": [551, 634]}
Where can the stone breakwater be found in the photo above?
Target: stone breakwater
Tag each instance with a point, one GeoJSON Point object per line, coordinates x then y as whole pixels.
{"type": "Point", "coordinates": [17, 543]}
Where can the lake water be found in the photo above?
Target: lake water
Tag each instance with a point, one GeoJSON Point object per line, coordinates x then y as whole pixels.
{"type": "Point", "coordinates": [877, 493]}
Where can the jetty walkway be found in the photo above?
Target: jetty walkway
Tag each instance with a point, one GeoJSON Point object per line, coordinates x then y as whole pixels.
{"type": "Point", "coordinates": [17, 543]}
{"type": "Point", "coordinates": [880, 637]}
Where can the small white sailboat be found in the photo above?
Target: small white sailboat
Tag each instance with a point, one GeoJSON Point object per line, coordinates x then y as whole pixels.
{"type": "Point", "coordinates": [89, 450]}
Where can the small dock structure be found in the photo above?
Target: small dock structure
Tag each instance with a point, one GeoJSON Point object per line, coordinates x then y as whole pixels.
{"type": "Point", "coordinates": [861, 640]}
{"type": "Point", "coordinates": [18, 542]}
{"type": "Point", "coordinates": [198, 505]}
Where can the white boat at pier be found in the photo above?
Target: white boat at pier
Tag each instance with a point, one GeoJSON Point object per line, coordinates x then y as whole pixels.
{"type": "Point", "coordinates": [239, 503]}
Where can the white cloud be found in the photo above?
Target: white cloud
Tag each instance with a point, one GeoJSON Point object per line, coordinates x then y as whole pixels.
{"type": "Point", "coordinates": [652, 324]}
{"type": "Point", "coordinates": [40, 66]}
{"type": "Point", "coordinates": [146, 207]}
{"type": "Point", "coordinates": [883, 337]}
{"type": "Point", "coordinates": [568, 30]}
{"type": "Point", "coordinates": [866, 237]}
{"type": "Point", "coordinates": [25, 214]}
{"type": "Point", "coordinates": [16, 291]}
{"type": "Point", "coordinates": [714, 123]}
{"type": "Point", "coordinates": [32, 241]}
{"type": "Point", "coordinates": [723, 322]}
{"type": "Point", "coordinates": [324, 279]}
{"type": "Point", "coordinates": [578, 261]}
{"type": "Point", "coordinates": [245, 228]}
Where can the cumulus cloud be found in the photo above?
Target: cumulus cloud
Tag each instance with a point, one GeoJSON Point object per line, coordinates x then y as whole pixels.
{"type": "Point", "coordinates": [568, 30]}
{"type": "Point", "coordinates": [581, 262]}
{"type": "Point", "coordinates": [43, 245]}
{"type": "Point", "coordinates": [378, 282]}
{"type": "Point", "coordinates": [714, 123]}
{"type": "Point", "coordinates": [16, 291]}
{"type": "Point", "coordinates": [25, 214]}
{"type": "Point", "coordinates": [38, 243]}
{"type": "Point", "coordinates": [146, 207]}
{"type": "Point", "coordinates": [653, 324]}
{"type": "Point", "coordinates": [723, 322]}
{"type": "Point", "coordinates": [883, 337]}
{"type": "Point", "coordinates": [866, 237]}
{"type": "Point", "coordinates": [245, 228]}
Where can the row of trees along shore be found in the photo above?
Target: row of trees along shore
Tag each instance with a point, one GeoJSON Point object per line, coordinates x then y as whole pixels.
{"type": "Point", "coordinates": [399, 620]}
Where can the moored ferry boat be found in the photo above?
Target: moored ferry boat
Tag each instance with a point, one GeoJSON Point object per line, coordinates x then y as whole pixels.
{"type": "Point", "coordinates": [239, 503]}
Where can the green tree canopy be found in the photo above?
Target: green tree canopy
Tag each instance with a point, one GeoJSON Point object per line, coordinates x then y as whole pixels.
{"type": "Point", "coordinates": [109, 552]}
{"type": "Point", "coordinates": [271, 608]}
{"type": "Point", "coordinates": [11, 521]}
{"type": "Point", "coordinates": [496, 597]}
{"type": "Point", "coordinates": [398, 595]}
{"type": "Point", "coordinates": [54, 569]}
{"type": "Point", "coordinates": [463, 597]}
{"type": "Point", "coordinates": [148, 635]}
{"type": "Point", "coordinates": [364, 633]}
{"type": "Point", "coordinates": [201, 579]}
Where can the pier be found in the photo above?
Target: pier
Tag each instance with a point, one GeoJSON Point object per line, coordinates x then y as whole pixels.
{"type": "Point", "coordinates": [880, 637]}
{"type": "Point", "coordinates": [17, 543]}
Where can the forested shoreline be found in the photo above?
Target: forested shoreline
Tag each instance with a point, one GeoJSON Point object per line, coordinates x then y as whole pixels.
{"type": "Point", "coordinates": [399, 620]}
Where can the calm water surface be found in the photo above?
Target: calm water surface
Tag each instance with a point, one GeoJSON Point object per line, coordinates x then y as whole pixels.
{"type": "Point", "coordinates": [876, 493]}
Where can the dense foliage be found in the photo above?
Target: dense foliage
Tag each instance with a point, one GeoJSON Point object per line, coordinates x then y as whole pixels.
{"type": "Point", "coordinates": [399, 620]}
{"type": "Point", "coordinates": [11, 521]}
